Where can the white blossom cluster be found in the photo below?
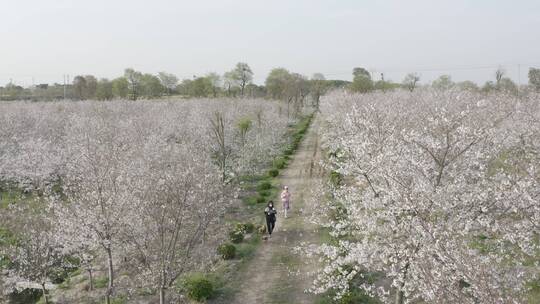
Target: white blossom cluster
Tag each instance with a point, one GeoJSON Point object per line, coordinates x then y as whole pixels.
{"type": "Point", "coordinates": [440, 194]}
{"type": "Point", "coordinates": [33, 136]}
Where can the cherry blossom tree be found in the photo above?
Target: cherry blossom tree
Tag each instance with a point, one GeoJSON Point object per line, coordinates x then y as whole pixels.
{"type": "Point", "coordinates": [434, 198]}
{"type": "Point", "coordinates": [36, 255]}
{"type": "Point", "coordinates": [180, 200]}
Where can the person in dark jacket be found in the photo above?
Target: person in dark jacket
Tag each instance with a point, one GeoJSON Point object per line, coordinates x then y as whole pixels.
{"type": "Point", "coordinates": [270, 213]}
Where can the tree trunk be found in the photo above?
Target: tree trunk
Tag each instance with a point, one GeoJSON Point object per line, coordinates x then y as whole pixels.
{"type": "Point", "coordinates": [91, 279]}
{"type": "Point", "coordinates": [399, 296]}
{"type": "Point", "coordinates": [44, 293]}
{"type": "Point", "coordinates": [161, 295]}
{"type": "Point", "coordinates": [288, 106]}
{"type": "Point", "coordinates": [111, 275]}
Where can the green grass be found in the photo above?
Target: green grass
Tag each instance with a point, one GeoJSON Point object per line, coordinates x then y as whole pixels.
{"type": "Point", "coordinates": [65, 285]}
{"type": "Point", "coordinates": [101, 282]}
{"type": "Point", "coordinates": [248, 249]}
{"type": "Point", "coordinates": [146, 291]}
{"type": "Point", "coordinates": [265, 185]}
{"type": "Point", "coordinates": [273, 172]}
{"type": "Point", "coordinates": [42, 300]}
{"type": "Point", "coordinates": [280, 163]}
{"type": "Point", "coordinates": [8, 197]}
{"type": "Point", "coordinates": [119, 300]}
{"type": "Point", "coordinates": [250, 200]}
{"type": "Point", "coordinates": [7, 237]}
{"type": "Point", "coordinates": [355, 296]}
{"type": "Point", "coordinates": [533, 291]}
{"type": "Point", "coordinates": [325, 237]}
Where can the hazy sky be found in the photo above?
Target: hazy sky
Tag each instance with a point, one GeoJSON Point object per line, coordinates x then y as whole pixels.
{"type": "Point", "coordinates": [44, 39]}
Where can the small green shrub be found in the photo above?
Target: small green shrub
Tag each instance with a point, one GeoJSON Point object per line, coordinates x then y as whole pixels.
{"type": "Point", "coordinates": [227, 251]}
{"type": "Point", "coordinates": [240, 227]}
{"type": "Point", "coordinates": [199, 288]}
{"type": "Point", "coordinates": [236, 236]}
{"type": "Point", "coordinates": [336, 178]}
{"type": "Point", "coordinates": [261, 199]}
{"type": "Point", "coordinates": [264, 193]}
{"type": "Point", "coordinates": [273, 172]}
{"type": "Point", "coordinates": [245, 227]}
{"type": "Point", "coordinates": [280, 163]}
{"type": "Point", "coordinates": [249, 227]}
{"type": "Point", "coordinates": [5, 262]}
{"type": "Point", "coordinates": [26, 296]}
{"type": "Point", "coordinates": [264, 186]}
{"type": "Point", "coordinates": [244, 124]}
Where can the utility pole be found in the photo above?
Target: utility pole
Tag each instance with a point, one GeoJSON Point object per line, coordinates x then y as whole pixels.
{"type": "Point", "coordinates": [64, 86]}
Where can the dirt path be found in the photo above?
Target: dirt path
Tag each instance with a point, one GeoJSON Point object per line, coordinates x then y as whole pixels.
{"type": "Point", "coordinates": [276, 273]}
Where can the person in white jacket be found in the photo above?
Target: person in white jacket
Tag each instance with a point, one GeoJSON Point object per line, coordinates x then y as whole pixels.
{"type": "Point", "coordinates": [286, 200]}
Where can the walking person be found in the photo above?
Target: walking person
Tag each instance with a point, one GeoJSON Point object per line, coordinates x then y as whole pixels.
{"type": "Point", "coordinates": [270, 213]}
{"type": "Point", "coordinates": [286, 200]}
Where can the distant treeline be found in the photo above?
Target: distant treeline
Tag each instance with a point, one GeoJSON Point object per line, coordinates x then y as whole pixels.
{"type": "Point", "coordinates": [238, 82]}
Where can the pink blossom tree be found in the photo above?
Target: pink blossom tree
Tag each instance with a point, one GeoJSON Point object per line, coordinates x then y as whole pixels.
{"type": "Point", "coordinates": [428, 200]}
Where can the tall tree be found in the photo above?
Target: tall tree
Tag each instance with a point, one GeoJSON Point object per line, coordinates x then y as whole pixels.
{"type": "Point", "coordinates": [181, 201]}
{"type": "Point", "coordinates": [230, 83]}
{"type": "Point", "coordinates": [499, 74]}
{"type": "Point", "coordinates": [36, 255]}
{"type": "Point", "coordinates": [358, 71]}
{"type": "Point", "coordinates": [277, 82]}
{"type": "Point", "coordinates": [169, 81]}
{"type": "Point", "coordinates": [79, 87]}
{"type": "Point", "coordinates": [120, 87]}
{"type": "Point", "coordinates": [104, 90]}
{"type": "Point", "coordinates": [243, 75]}
{"type": "Point", "coordinates": [534, 78]}
{"type": "Point", "coordinates": [444, 82]}
{"type": "Point", "coordinates": [134, 82]}
{"type": "Point", "coordinates": [215, 82]}
{"type": "Point", "coordinates": [319, 86]}
{"type": "Point", "coordinates": [151, 86]}
{"type": "Point", "coordinates": [91, 87]}
{"type": "Point", "coordinates": [94, 185]}
{"type": "Point", "coordinates": [451, 226]}
{"type": "Point", "coordinates": [468, 85]}
{"type": "Point", "coordinates": [362, 81]}
{"type": "Point", "coordinates": [410, 81]}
